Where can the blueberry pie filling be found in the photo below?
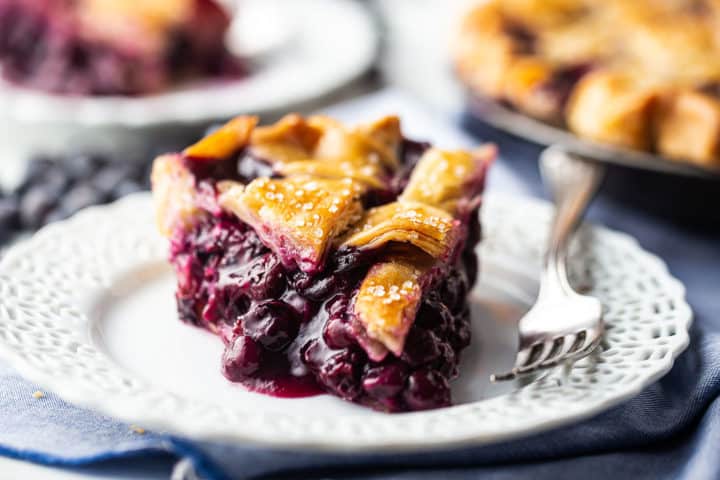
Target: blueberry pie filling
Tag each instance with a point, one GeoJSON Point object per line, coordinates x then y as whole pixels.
{"type": "Point", "coordinates": [326, 258]}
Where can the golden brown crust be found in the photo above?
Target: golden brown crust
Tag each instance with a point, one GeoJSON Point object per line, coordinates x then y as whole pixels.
{"type": "Point", "coordinates": [520, 51]}
{"type": "Point", "coordinates": [299, 216]}
{"type": "Point", "coordinates": [688, 126]}
{"type": "Point", "coordinates": [612, 107]}
{"type": "Point", "coordinates": [322, 147]}
{"type": "Point", "coordinates": [173, 193]}
{"type": "Point", "coordinates": [388, 300]}
{"type": "Point", "coordinates": [224, 141]}
{"type": "Point", "coordinates": [443, 184]}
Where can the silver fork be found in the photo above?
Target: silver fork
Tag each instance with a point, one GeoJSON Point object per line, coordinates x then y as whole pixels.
{"type": "Point", "coordinates": [562, 325]}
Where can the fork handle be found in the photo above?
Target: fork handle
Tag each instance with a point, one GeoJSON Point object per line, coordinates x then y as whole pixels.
{"type": "Point", "coordinates": [572, 181]}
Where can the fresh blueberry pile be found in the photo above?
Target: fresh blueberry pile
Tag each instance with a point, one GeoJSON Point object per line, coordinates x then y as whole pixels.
{"type": "Point", "coordinates": [54, 188]}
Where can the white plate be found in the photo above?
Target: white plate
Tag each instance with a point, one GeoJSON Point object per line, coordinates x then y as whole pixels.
{"type": "Point", "coordinates": [86, 309]}
{"type": "Point", "coordinates": [332, 43]}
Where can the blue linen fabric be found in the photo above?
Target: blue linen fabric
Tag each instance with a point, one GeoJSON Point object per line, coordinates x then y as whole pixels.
{"type": "Point", "coordinates": [670, 431]}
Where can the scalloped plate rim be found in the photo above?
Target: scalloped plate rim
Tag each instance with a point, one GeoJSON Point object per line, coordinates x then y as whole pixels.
{"type": "Point", "coordinates": [125, 411]}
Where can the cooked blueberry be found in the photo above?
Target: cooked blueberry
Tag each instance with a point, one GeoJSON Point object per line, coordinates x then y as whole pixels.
{"type": "Point", "coordinates": [470, 262]}
{"type": "Point", "coordinates": [349, 258]}
{"type": "Point", "coordinates": [453, 290]}
{"type": "Point", "coordinates": [385, 381]}
{"type": "Point", "coordinates": [337, 333]}
{"type": "Point", "coordinates": [303, 307]}
{"type": "Point", "coordinates": [426, 389]}
{"type": "Point", "coordinates": [434, 315]}
{"type": "Point", "coordinates": [460, 335]}
{"type": "Point", "coordinates": [264, 277]}
{"type": "Point", "coordinates": [186, 308]}
{"type": "Point", "coordinates": [421, 347]}
{"type": "Point", "coordinates": [446, 363]}
{"type": "Point", "coordinates": [340, 373]}
{"type": "Point", "coordinates": [271, 323]}
{"type": "Point", "coordinates": [241, 358]}
{"type": "Point", "coordinates": [318, 288]}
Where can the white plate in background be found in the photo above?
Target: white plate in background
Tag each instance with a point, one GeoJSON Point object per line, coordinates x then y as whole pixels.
{"type": "Point", "coordinates": [330, 43]}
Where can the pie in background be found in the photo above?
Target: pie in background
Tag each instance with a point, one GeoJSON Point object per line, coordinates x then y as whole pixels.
{"type": "Point", "coordinates": [640, 74]}
{"type": "Point", "coordinates": [112, 47]}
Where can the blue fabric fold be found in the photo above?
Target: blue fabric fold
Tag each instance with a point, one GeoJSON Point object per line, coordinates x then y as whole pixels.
{"type": "Point", "coordinates": [670, 431]}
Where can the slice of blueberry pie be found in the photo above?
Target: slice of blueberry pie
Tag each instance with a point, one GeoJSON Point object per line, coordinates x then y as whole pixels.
{"type": "Point", "coordinates": [327, 258]}
{"type": "Point", "coordinates": [111, 47]}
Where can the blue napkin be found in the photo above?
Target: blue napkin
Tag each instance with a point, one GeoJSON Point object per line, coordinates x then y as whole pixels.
{"type": "Point", "coordinates": [670, 431]}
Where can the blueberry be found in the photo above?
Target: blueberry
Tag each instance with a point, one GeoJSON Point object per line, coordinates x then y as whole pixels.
{"type": "Point", "coordinates": [241, 358]}
{"type": "Point", "coordinates": [318, 288]}
{"type": "Point", "coordinates": [348, 258]}
{"type": "Point", "coordinates": [264, 277]}
{"type": "Point", "coordinates": [341, 372]}
{"type": "Point", "coordinates": [9, 216]}
{"type": "Point", "coordinates": [80, 166]}
{"type": "Point", "coordinates": [337, 305]}
{"type": "Point", "coordinates": [303, 307]}
{"type": "Point", "coordinates": [225, 305]}
{"type": "Point", "coordinates": [186, 310]}
{"type": "Point", "coordinates": [460, 335]}
{"type": "Point", "coordinates": [337, 333]}
{"type": "Point", "coordinates": [50, 178]}
{"type": "Point", "coordinates": [426, 389]}
{"type": "Point", "coordinates": [56, 215]}
{"type": "Point", "coordinates": [421, 347]}
{"type": "Point", "coordinates": [126, 187]}
{"type": "Point", "coordinates": [446, 363]}
{"type": "Point", "coordinates": [80, 197]}
{"type": "Point", "coordinates": [109, 178]}
{"type": "Point", "coordinates": [272, 324]}
{"type": "Point", "coordinates": [385, 381]}
{"type": "Point", "coordinates": [434, 315]}
{"type": "Point", "coordinates": [470, 261]}
{"type": "Point", "coordinates": [35, 204]}
{"type": "Point", "coordinates": [453, 290]}
{"type": "Point", "coordinates": [37, 167]}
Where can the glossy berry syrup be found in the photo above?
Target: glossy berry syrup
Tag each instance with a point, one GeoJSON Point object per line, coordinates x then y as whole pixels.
{"type": "Point", "coordinates": [289, 334]}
